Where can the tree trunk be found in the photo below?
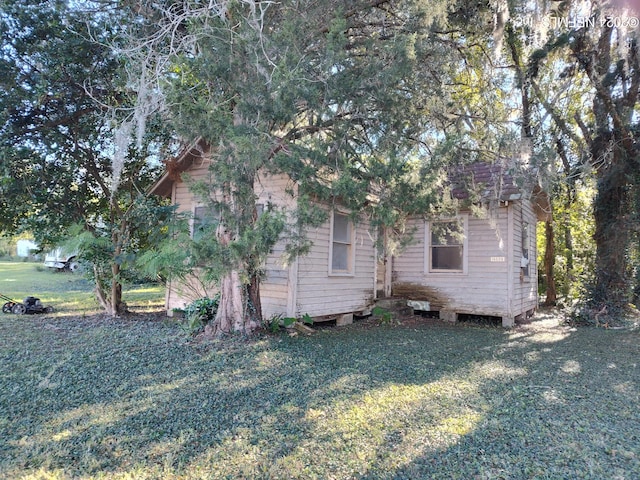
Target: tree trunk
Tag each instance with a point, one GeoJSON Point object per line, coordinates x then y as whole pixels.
{"type": "Point", "coordinates": [100, 292]}
{"type": "Point", "coordinates": [233, 314]}
{"type": "Point", "coordinates": [110, 299]}
{"type": "Point", "coordinates": [611, 237]}
{"type": "Point", "coordinates": [230, 315]}
{"type": "Point", "coordinates": [253, 294]}
{"type": "Point", "coordinates": [549, 262]}
{"type": "Point", "coordinates": [116, 305]}
{"type": "Point", "coordinates": [568, 244]}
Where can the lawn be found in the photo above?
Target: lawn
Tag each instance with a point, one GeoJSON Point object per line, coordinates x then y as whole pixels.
{"type": "Point", "coordinates": [125, 399]}
{"type": "Point", "coordinates": [69, 293]}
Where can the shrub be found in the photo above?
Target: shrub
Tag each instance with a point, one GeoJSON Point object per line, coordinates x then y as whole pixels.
{"type": "Point", "coordinates": [385, 316]}
{"type": "Point", "coordinates": [199, 312]}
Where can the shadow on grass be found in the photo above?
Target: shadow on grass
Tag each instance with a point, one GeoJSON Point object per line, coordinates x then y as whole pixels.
{"type": "Point", "coordinates": [125, 399]}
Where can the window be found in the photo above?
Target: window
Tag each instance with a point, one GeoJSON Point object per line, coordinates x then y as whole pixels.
{"type": "Point", "coordinates": [205, 219]}
{"type": "Point", "coordinates": [446, 245]}
{"type": "Point", "coordinates": [341, 244]}
{"type": "Point", "coordinates": [524, 262]}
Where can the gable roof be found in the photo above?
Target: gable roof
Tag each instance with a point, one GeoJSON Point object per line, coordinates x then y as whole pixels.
{"type": "Point", "coordinates": [177, 165]}
{"type": "Point", "coordinates": [482, 181]}
{"type": "Point", "coordinates": [479, 181]}
{"type": "Point", "coordinates": [488, 181]}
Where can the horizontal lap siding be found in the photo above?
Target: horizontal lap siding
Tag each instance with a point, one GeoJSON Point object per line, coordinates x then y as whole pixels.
{"type": "Point", "coordinates": [313, 292]}
{"type": "Point", "coordinates": [484, 288]}
{"type": "Point", "coordinates": [319, 293]}
{"type": "Point", "coordinates": [182, 195]}
{"type": "Point", "coordinates": [525, 296]}
{"type": "Point", "coordinates": [408, 266]}
{"type": "Point", "coordinates": [275, 286]}
{"type": "Point", "coordinates": [180, 293]}
{"type": "Point", "coordinates": [274, 289]}
{"type": "Point", "coordinates": [183, 292]}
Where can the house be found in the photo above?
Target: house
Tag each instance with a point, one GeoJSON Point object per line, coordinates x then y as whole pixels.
{"type": "Point", "coordinates": [333, 281]}
{"type": "Point", "coordinates": [480, 261]}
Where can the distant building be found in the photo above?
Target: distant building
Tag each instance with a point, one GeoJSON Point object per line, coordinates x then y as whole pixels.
{"type": "Point", "coordinates": [24, 248]}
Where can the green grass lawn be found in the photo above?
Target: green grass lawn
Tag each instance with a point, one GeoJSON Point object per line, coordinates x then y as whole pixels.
{"type": "Point", "coordinates": [100, 399]}
{"type": "Point", "coordinates": [69, 293]}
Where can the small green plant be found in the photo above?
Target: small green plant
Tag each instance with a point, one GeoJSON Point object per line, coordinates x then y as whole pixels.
{"type": "Point", "coordinates": [199, 312]}
{"type": "Point", "coordinates": [288, 321]}
{"type": "Point", "coordinates": [385, 315]}
{"type": "Point", "coordinates": [274, 323]}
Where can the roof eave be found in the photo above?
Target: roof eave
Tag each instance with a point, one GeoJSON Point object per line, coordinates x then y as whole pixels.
{"type": "Point", "coordinates": [164, 185]}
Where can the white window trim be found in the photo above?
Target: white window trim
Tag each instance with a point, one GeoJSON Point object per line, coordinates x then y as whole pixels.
{"type": "Point", "coordinates": [464, 217]}
{"type": "Point", "coordinates": [352, 260]}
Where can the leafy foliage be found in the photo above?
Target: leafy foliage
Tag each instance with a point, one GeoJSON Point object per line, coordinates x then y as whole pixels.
{"type": "Point", "coordinates": [71, 294]}
{"type": "Point", "coordinates": [274, 323]}
{"type": "Point", "coordinates": [336, 101]}
{"type": "Point", "coordinates": [200, 312]}
{"type": "Point", "coordinates": [585, 78]}
{"type": "Point", "coordinates": [385, 316]}
{"type": "Point", "coordinates": [61, 91]}
{"type": "Point", "coordinates": [574, 243]}
{"type": "Point", "coordinates": [373, 99]}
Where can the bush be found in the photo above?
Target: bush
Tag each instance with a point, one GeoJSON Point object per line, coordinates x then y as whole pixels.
{"type": "Point", "coordinates": [200, 312]}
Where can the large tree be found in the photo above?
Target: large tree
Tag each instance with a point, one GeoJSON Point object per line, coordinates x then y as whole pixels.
{"type": "Point", "coordinates": [338, 95]}
{"type": "Point", "coordinates": [61, 91]}
{"type": "Point", "coordinates": [576, 64]}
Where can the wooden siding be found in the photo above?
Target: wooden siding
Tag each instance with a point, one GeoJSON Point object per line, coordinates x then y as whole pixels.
{"type": "Point", "coordinates": [305, 287]}
{"type": "Point", "coordinates": [182, 195]}
{"type": "Point", "coordinates": [321, 294]}
{"type": "Point", "coordinates": [491, 284]}
{"type": "Point", "coordinates": [274, 289]}
{"type": "Point", "coordinates": [277, 284]}
{"type": "Point", "coordinates": [178, 295]}
{"type": "Point", "coordinates": [525, 292]}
